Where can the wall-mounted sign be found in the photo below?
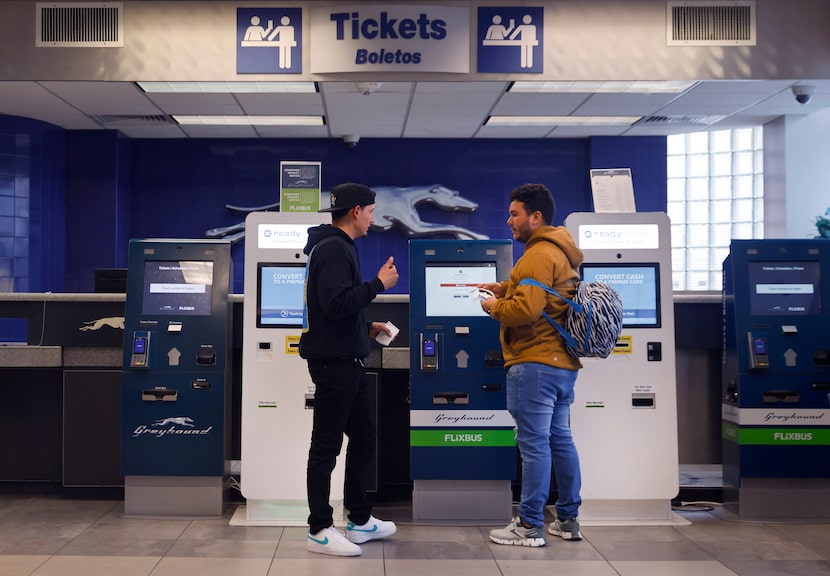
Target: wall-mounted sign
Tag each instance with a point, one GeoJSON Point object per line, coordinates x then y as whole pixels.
{"type": "Point", "coordinates": [396, 38]}
{"type": "Point", "coordinates": [300, 186]}
{"type": "Point", "coordinates": [269, 40]}
{"type": "Point", "coordinates": [511, 39]}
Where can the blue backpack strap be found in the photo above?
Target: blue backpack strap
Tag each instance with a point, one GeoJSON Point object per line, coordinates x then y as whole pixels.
{"type": "Point", "coordinates": [575, 305]}
{"type": "Point", "coordinates": [569, 340]}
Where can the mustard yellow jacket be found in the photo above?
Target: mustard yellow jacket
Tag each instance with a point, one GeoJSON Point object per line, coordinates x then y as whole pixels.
{"type": "Point", "coordinates": [552, 257]}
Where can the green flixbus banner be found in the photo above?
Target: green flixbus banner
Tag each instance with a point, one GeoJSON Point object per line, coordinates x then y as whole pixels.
{"type": "Point", "coordinates": [450, 438]}
{"type": "Point", "coordinates": [776, 436]}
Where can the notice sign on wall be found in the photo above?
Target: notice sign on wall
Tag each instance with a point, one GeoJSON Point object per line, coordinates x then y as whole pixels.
{"type": "Point", "coordinates": [405, 38]}
{"type": "Point", "coordinates": [300, 186]}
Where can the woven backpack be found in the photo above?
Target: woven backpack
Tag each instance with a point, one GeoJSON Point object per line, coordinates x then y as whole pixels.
{"type": "Point", "coordinates": [593, 321]}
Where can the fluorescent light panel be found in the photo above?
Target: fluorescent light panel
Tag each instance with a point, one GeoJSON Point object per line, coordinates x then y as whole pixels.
{"type": "Point", "coordinates": [205, 120]}
{"type": "Point", "coordinates": [633, 87]}
{"type": "Point", "coordinates": [230, 87]}
{"type": "Point", "coordinates": [561, 120]}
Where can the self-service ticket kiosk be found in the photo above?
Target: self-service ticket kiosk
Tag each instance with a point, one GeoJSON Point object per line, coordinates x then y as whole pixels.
{"type": "Point", "coordinates": [277, 391]}
{"type": "Point", "coordinates": [175, 378]}
{"type": "Point", "coordinates": [776, 378]}
{"type": "Point", "coordinates": [624, 416]}
{"type": "Point", "coordinates": [462, 439]}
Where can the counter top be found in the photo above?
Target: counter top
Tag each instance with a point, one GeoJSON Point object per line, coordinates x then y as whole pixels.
{"type": "Point", "coordinates": [22, 356]}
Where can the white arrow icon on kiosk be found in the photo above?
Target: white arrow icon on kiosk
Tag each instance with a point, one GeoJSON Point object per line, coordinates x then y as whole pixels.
{"type": "Point", "coordinates": [173, 357]}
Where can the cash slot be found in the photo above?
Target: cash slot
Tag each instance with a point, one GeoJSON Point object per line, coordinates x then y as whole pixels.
{"type": "Point", "coordinates": [642, 400]}
{"type": "Point", "coordinates": [785, 396]}
{"type": "Point", "coordinates": [450, 398]}
{"type": "Point", "coordinates": [163, 394]}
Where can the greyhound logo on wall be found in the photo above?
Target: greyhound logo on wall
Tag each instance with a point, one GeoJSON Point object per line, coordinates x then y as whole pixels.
{"type": "Point", "coordinates": [396, 207]}
{"type": "Point", "coordinates": [116, 322]}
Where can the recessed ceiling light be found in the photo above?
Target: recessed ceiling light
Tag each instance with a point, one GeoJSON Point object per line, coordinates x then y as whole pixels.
{"type": "Point", "coordinates": [611, 87]}
{"type": "Point", "coordinates": [230, 87]}
{"type": "Point", "coordinates": [208, 120]}
{"type": "Point", "coordinates": [561, 120]}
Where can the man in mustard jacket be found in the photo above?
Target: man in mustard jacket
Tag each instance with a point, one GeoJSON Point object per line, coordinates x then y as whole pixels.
{"type": "Point", "coordinates": [540, 372]}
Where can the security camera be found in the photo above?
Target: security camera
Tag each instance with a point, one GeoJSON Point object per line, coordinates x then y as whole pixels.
{"type": "Point", "coordinates": [803, 94]}
{"type": "Point", "coordinates": [350, 140]}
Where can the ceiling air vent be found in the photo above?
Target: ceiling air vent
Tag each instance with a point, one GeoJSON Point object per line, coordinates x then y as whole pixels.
{"type": "Point", "coordinates": [710, 23]}
{"type": "Point", "coordinates": [79, 25]}
{"type": "Point", "coordinates": [680, 121]}
{"type": "Point", "coordinates": [115, 120]}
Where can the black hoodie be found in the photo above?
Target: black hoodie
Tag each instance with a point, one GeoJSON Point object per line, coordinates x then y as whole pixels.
{"type": "Point", "coordinates": [336, 297]}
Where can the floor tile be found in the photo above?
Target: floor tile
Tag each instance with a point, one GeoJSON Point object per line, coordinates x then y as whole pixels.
{"type": "Point", "coordinates": [552, 567]}
{"type": "Point", "coordinates": [408, 567]}
{"type": "Point", "coordinates": [778, 567]}
{"type": "Point", "coordinates": [211, 567]}
{"type": "Point", "coordinates": [192, 548]}
{"type": "Point", "coordinates": [104, 545]}
{"type": "Point", "coordinates": [814, 537]}
{"type": "Point", "coordinates": [96, 565]}
{"type": "Point", "coordinates": [674, 568]}
{"type": "Point", "coordinates": [327, 566]}
{"type": "Point", "coordinates": [14, 565]}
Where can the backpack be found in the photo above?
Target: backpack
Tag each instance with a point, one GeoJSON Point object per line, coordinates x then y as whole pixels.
{"type": "Point", "coordinates": [593, 321]}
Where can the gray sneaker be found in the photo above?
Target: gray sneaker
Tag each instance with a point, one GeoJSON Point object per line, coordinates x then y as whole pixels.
{"type": "Point", "coordinates": [566, 529]}
{"type": "Point", "coordinates": [517, 535]}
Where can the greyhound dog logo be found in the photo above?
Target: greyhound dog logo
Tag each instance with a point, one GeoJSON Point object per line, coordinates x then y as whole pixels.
{"type": "Point", "coordinates": [116, 322]}
{"type": "Point", "coordinates": [395, 207]}
{"type": "Point", "coordinates": [180, 420]}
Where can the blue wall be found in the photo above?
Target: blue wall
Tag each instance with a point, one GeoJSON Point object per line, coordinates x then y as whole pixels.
{"type": "Point", "coordinates": [89, 192]}
{"type": "Point", "coordinates": [180, 188]}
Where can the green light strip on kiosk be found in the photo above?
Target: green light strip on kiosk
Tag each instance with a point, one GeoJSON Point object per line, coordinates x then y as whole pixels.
{"type": "Point", "coordinates": [777, 436]}
{"type": "Point", "coordinates": [452, 438]}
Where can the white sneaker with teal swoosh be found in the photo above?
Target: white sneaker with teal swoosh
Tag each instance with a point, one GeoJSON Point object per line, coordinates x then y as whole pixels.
{"type": "Point", "coordinates": [374, 529]}
{"type": "Point", "coordinates": [333, 542]}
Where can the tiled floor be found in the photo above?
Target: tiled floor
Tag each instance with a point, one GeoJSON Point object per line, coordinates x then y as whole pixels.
{"type": "Point", "coordinates": [52, 535]}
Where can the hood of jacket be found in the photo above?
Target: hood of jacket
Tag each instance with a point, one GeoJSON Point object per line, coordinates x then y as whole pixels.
{"type": "Point", "coordinates": [561, 237]}
{"type": "Point", "coordinates": [318, 233]}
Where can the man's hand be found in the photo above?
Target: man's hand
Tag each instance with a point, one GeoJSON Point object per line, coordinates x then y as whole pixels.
{"type": "Point", "coordinates": [494, 287]}
{"type": "Point", "coordinates": [388, 274]}
{"type": "Point", "coordinates": [487, 304]}
{"type": "Point", "coordinates": [377, 327]}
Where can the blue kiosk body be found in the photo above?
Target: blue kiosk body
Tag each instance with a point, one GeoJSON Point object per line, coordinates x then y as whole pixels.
{"type": "Point", "coordinates": [776, 378]}
{"type": "Point", "coordinates": [462, 440]}
{"type": "Point", "coordinates": [175, 377]}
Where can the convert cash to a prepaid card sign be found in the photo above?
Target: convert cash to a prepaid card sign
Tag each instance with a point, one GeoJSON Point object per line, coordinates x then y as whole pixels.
{"type": "Point", "coordinates": [300, 186]}
{"type": "Point", "coordinates": [402, 38]}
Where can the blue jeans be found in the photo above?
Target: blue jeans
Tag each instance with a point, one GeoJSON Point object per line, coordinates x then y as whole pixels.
{"type": "Point", "coordinates": [539, 399]}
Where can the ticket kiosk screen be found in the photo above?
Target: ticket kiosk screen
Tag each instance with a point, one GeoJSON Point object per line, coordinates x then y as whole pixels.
{"type": "Point", "coordinates": [177, 287]}
{"type": "Point", "coordinates": [280, 295]}
{"type": "Point", "coordinates": [784, 288]}
{"type": "Point", "coordinates": [451, 287]}
{"type": "Point", "coordinates": [637, 284]}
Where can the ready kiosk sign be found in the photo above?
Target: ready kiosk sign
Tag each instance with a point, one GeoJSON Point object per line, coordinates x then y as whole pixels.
{"type": "Point", "coordinates": [399, 38]}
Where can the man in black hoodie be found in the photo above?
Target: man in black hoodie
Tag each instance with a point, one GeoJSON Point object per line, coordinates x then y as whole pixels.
{"type": "Point", "coordinates": [335, 341]}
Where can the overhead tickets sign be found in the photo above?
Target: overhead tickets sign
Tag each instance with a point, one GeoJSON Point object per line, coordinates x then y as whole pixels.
{"type": "Point", "coordinates": [398, 38]}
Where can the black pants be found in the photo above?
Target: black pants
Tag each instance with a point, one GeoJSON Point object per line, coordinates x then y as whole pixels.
{"type": "Point", "coordinates": [341, 406]}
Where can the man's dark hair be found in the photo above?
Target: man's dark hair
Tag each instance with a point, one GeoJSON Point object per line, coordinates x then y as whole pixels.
{"type": "Point", "coordinates": [535, 197]}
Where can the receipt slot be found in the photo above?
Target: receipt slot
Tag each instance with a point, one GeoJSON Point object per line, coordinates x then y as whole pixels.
{"type": "Point", "coordinates": [624, 415]}
{"type": "Point", "coordinates": [175, 378]}
{"type": "Point", "coordinates": [277, 391]}
{"type": "Point", "coordinates": [776, 378]}
{"type": "Point", "coordinates": [462, 439]}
